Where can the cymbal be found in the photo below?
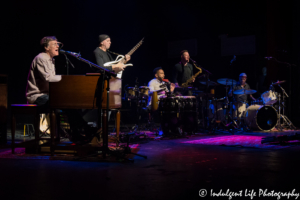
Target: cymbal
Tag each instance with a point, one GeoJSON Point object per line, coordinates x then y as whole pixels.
{"type": "Point", "coordinates": [226, 81]}
{"type": "Point", "coordinates": [278, 82]}
{"type": "Point", "coordinates": [244, 91]}
{"type": "Point", "coordinates": [210, 83]}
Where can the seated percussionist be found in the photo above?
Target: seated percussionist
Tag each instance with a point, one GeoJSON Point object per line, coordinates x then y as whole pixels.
{"type": "Point", "coordinates": [240, 100]}
{"type": "Point", "coordinates": [157, 84]}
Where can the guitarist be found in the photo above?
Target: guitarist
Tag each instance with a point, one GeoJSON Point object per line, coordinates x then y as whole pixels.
{"type": "Point", "coordinates": [102, 56]}
{"type": "Point", "coordinates": [183, 71]}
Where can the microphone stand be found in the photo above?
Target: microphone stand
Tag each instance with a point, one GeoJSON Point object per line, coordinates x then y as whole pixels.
{"type": "Point", "coordinates": [67, 63]}
{"type": "Point", "coordinates": [285, 118]}
{"type": "Point", "coordinates": [207, 73]}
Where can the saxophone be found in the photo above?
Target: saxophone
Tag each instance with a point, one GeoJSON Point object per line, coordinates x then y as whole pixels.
{"type": "Point", "coordinates": [186, 84]}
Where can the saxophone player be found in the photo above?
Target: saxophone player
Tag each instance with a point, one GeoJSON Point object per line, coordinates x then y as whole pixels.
{"type": "Point", "coordinates": [183, 71]}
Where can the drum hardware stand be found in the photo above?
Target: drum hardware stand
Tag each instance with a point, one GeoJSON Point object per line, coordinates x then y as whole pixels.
{"type": "Point", "coordinates": [286, 121]}
{"type": "Point", "coordinates": [203, 100]}
{"type": "Point", "coordinates": [137, 127]}
{"type": "Point", "coordinates": [216, 122]}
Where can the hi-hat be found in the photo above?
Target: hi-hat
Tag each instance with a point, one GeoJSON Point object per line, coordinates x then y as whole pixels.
{"type": "Point", "coordinates": [244, 91]}
{"type": "Point", "coordinates": [226, 81]}
{"type": "Point", "coordinates": [210, 83]}
{"type": "Point", "coordinates": [278, 82]}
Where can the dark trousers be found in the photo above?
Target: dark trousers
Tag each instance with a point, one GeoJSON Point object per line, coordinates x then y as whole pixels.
{"type": "Point", "coordinates": [42, 100]}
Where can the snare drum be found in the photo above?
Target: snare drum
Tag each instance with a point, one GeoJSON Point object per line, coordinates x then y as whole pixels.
{"type": "Point", "coordinates": [144, 92]}
{"type": "Point", "coordinates": [269, 97]}
{"type": "Point", "coordinates": [259, 117]}
{"type": "Point", "coordinates": [257, 102]}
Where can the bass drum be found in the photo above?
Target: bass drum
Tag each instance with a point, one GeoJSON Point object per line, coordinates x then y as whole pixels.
{"type": "Point", "coordinates": [259, 117]}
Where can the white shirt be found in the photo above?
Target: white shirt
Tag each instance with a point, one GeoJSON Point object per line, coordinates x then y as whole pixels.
{"type": "Point", "coordinates": [155, 85]}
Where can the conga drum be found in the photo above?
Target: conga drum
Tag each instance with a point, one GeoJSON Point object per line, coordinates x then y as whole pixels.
{"type": "Point", "coordinates": [154, 102]}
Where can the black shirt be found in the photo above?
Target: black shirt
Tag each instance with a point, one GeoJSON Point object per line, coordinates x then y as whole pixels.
{"type": "Point", "coordinates": [240, 97]}
{"type": "Point", "coordinates": [182, 73]}
{"type": "Point", "coordinates": [102, 57]}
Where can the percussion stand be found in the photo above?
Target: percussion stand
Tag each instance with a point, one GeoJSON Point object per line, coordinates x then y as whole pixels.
{"type": "Point", "coordinates": [228, 117]}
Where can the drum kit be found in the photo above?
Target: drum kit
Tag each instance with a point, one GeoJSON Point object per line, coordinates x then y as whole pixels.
{"type": "Point", "coordinates": [180, 113]}
{"type": "Point", "coordinates": [261, 115]}
{"type": "Point", "coordinates": [134, 93]}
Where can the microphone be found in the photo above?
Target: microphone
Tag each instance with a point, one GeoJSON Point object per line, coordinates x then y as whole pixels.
{"type": "Point", "coordinates": [165, 84]}
{"type": "Point", "coordinates": [68, 52]}
{"type": "Point", "coordinates": [269, 58]}
{"type": "Point", "coordinates": [192, 60]}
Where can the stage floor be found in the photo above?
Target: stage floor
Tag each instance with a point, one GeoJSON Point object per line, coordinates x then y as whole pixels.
{"type": "Point", "coordinates": [176, 168]}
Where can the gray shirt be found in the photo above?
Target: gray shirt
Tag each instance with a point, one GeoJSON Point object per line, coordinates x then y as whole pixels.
{"type": "Point", "coordinates": [240, 97]}
{"type": "Point", "coordinates": [42, 71]}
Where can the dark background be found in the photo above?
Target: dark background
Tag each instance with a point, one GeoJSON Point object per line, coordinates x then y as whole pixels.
{"type": "Point", "coordinates": [275, 25]}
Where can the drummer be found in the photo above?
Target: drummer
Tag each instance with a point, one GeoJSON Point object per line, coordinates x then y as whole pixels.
{"type": "Point", "coordinates": [157, 84]}
{"type": "Point", "coordinates": [240, 100]}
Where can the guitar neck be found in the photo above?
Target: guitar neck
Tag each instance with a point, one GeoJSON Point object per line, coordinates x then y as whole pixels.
{"type": "Point", "coordinates": [135, 47]}
{"type": "Point", "coordinates": [132, 50]}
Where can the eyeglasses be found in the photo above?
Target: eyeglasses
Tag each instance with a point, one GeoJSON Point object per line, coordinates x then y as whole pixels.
{"type": "Point", "coordinates": [58, 44]}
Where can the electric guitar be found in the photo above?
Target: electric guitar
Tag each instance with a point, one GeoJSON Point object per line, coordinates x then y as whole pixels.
{"type": "Point", "coordinates": [121, 58]}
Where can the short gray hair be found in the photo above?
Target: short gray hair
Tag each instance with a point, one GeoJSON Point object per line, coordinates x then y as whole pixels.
{"type": "Point", "coordinates": [45, 41]}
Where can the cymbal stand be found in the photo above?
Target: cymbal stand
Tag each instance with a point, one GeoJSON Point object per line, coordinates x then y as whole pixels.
{"type": "Point", "coordinates": [226, 104]}
{"type": "Point", "coordinates": [228, 117]}
{"type": "Point", "coordinates": [286, 121]}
